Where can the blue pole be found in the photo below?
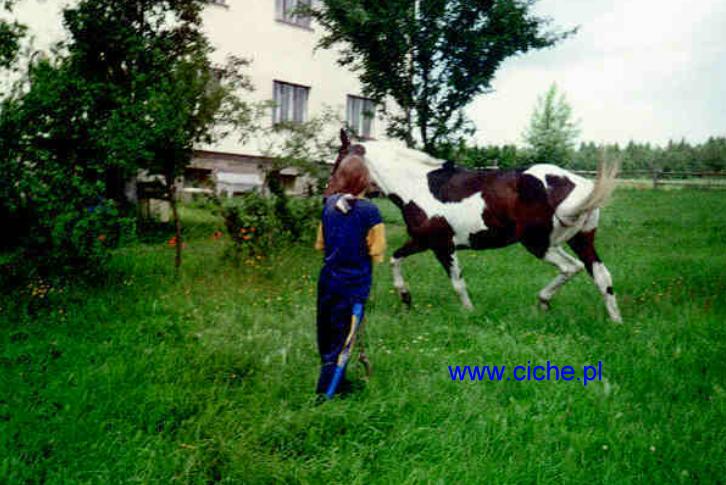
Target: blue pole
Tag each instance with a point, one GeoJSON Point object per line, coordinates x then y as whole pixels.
{"type": "Point", "coordinates": [345, 352]}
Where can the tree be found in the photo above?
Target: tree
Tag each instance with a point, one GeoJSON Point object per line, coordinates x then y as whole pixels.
{"type": "Point", "coordinates": [489, 156]}
{"type": "Point", "coordinates": [135, 90]}
{"type": "Point", "coordinates": [10, 35]}
{"type": "Point", "coordinates": [304, 146]}
{"type": "Point", "coordinates": [552, 133]}
{"type": "Point", "coordinates": [586, 157]}
{"type": "Point", "coordinates": [430, 56]}
{"type": "Point", "coordinates": [713, 154]}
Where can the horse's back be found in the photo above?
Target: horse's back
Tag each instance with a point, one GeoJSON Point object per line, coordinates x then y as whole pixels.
{"type": "Point", "coordinates": [541, 170]}
{"type": "Point", "coordinates": [554, 178]}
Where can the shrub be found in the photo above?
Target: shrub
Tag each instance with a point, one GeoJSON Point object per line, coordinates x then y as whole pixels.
{"type": "Point", "coordinates": [83, 238]}
{"type": "Point", "coordinates": [305, 216]}
{"type": "Point", "coordinates": [251, 223]}
{"type": "Point", "coordinates": [66, 240]}
{"type": "Point", "coordinates": [257, 224]}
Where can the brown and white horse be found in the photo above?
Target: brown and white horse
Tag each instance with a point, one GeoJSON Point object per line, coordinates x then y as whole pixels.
{"type": "Point", "coordinates": [446, 208]}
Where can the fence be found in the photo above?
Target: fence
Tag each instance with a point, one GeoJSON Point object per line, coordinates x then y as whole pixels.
{"type": "Point", "coordinates": [656, 179]}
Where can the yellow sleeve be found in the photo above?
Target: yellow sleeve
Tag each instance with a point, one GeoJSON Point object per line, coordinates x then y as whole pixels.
{"type": "Point", "coordinates": [376, 240]}
{"type": "Point", "coordinates": [319, 241]}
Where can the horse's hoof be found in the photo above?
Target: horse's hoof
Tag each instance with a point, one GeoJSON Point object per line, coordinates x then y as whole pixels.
{"type": "Point", "coordinates": [544, 305]}
{"type": "Point", "coordinates": [406, 299]}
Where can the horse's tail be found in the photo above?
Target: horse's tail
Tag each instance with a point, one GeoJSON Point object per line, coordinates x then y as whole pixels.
{"type": "Point", "coordinates": [605, 182]}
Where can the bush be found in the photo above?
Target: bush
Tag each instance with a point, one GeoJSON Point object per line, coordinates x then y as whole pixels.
{"type": "Point", "coordinates": [83, 238]}
{"type": "Point", "coordinates": [251, 223]}
{"type": "Point", "coordinates": [306, 216]}
{"type": "Point", "coordinates": [63, 241]}
{"type": "Point", "coordinates": [258, 224]}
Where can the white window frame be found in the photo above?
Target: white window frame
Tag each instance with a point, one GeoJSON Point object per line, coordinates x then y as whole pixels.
{"type": "Point", "coordinates": [360, 115]}
{"type": "Point", "coordinates": [291, 102]}
{"type": "Point", "coordinates": [284, 9]}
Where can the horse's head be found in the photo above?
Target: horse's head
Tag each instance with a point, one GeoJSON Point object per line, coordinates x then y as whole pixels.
{"type": "Point", "coordinates": [346, 149]}
{"type": "Point", "coordinates": [394, 168]}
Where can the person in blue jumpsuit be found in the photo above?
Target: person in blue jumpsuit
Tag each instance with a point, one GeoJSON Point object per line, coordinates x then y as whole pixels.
{"type": "Point", "coordinates": [352, 236]}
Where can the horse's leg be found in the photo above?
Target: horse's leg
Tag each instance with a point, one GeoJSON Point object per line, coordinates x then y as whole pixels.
{"type": "Point", "coordinates": [450, 262]}
{"type": "Point", "coordinates": [537, 240]}
{"type": "Point", "coordinates": [568, 267]}
{"type": "Point", "coordinates": [411, 247]}
{"type": "Point", "coordinates": [362, 356]}
{"type": "Point", "coordinates": [583, 244]}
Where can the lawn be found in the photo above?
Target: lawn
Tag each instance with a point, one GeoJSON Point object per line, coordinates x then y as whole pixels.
{"type": "Point", "coordinates": [144, 376]}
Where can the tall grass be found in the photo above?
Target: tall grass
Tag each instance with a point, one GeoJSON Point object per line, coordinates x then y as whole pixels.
{"type": "Point", "coordinates": [208, 376]}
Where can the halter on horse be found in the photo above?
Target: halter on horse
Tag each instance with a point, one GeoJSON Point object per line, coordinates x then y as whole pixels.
{"type": "Point", "coordinates": [446, 208]}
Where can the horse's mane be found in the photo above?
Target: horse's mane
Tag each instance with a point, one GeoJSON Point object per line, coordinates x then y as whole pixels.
{"type": "Point", "coordinates": [397, 152]}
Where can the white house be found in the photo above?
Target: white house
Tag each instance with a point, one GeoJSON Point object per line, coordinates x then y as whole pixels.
{"type": "Point", "coordinates": [285, 67]}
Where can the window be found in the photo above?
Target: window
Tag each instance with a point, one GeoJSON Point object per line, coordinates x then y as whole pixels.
{"type": "Point", "coordinates": [223, 3]}
{"type": "Point", "coordinates": [291, 103]}
{"type": "Point", "coordinates": [360, 114]}
{"type": "Point", "coordinates": [286, 11]}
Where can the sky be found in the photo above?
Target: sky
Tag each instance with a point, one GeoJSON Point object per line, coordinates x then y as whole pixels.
{"type": "Point", "coordinates": [642, 70]}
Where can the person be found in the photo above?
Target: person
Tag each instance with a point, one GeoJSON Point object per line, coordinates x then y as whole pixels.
{"type": "Point", "coordinates": [352, 236]}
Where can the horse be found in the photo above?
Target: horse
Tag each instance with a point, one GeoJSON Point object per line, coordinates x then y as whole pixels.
{"type": "Point", "coordinates": [446, 208]}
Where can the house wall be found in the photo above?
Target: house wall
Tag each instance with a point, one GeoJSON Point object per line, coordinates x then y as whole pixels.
{"type": "Point", "coordinates": [283, 52]}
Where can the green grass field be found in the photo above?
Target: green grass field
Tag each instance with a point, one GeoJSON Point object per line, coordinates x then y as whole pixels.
{"type": "Point", "coordinates": [143, 378]}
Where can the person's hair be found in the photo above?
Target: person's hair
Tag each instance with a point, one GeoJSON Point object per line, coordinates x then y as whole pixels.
{"type": "Point", "coordinates": [351, 177]}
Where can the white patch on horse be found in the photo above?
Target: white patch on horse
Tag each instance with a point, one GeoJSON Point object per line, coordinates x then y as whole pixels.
{"type": "Point", "coordinates": [398, 282]}
{"type": "Point", "coordinates": [604, 282]}
{"type": "Point", "coordinates": [458, 283]}
{"type": "Point", "coordinates": [568, 218]}
{"type": "Point", "coordinates": [568, 267]}
{"type": "Point", "coordinates": [405, 176]}
{"type": "Point", "coordinates": [571, 205]}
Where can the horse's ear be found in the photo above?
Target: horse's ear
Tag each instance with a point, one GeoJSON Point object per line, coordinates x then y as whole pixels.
{"type": "Point", "coordinates": [359, 150]}
{"type": "Point", "coordinates": [344, 140]}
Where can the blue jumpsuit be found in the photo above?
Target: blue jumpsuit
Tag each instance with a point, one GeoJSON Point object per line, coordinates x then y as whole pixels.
{"type": "Point", "coordinates": [351, 239]}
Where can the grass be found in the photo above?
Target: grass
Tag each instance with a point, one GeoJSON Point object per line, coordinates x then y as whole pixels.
{"type": "Point", "coordinates": [209, 377]}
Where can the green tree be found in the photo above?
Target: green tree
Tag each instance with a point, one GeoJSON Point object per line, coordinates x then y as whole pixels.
{"type": "Point", "coordinates": [552, 133]}
{"type": "Point", "coordinates": [10, 35]}
{"type": "Point", "coordinates": [713, 154]}
{"type": "Point", "coordinates": [489, 156]}
{"type": "Point", "coordinates": [586, 157]}
{"type": "Point", "coordinates": [305, 147]}
{"type": "Point", "coordinates": [134, 90]}
{"type": "Point", "coordinates": [430, 56]}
